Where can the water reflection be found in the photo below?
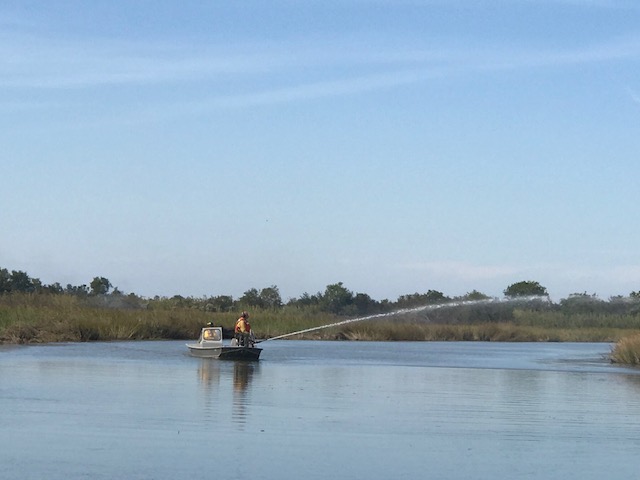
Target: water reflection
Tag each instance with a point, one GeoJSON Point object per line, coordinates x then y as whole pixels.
{"type": "Point", "coordinates": [242, 375]}
{"type": "Point", "coordinates": [209, 373]}
{"type": "Point", "coordinates": [376, 410]}
{"type": "Point", "coordinates": [209, 376]}
{"type": "Point", "coordinates": [219, 380]}
{"type": "Point", "coordinates": [632, 379]}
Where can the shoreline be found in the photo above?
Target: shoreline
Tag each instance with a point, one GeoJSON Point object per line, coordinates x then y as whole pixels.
{"type": "Point", "coordinates": [37, 320]}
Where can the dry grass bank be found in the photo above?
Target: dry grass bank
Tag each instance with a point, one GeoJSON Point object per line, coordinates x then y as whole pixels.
{"type": "Point", "coordinates": [627, 350]}
{"type": "Point", "coordinates": [485, 332]}
{"type": "Point", "coordinates": [64, 318]}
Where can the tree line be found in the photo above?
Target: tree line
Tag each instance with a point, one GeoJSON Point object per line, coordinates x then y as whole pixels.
{"type": "Point", "coordinates": [336, 299]}
{"type": "Point", "coordinates": [19, 281]}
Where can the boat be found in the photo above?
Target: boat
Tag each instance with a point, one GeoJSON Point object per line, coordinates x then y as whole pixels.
{"type": "Point", "coordinates": [211, 345]}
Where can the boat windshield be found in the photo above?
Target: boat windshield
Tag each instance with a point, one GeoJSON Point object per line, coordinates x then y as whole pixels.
{"type": "Point", "coordinates": [212, 334]}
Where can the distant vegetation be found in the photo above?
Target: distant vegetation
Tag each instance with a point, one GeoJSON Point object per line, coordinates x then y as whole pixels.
{"type": "Point", "coordinates": [31, 311]}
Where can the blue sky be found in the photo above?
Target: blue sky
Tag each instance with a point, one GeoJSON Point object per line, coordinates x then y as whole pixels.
{"type": "Point", "coordinates": [205, 148]}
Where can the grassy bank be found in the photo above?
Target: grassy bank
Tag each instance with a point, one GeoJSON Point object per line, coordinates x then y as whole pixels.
{"type": "Point", "coordinates": [483, 332]}
{"type": "Point", "coordinates": [627, 350]}
{"type": "Point", "coordinates": [61, 318]}
{"type": "Point", "coordinates": [43, 325]}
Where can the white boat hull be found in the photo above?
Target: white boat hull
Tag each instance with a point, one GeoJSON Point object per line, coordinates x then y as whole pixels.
{"type": "Point", "coordinates": [204, 352]}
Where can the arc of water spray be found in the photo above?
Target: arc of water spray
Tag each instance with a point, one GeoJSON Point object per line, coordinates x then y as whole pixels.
{"type": "Point", "coordinates": [410, 310]}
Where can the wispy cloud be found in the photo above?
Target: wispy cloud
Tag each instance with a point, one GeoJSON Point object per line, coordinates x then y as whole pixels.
{"type": "Point", "coordinates": [246, 75]}
{"type": "Point", "coordinates": [35, 62]}
{"type": "Point", "coordinates": [415, 66]}
{"type": "Point", "coordinates": [315, 90]}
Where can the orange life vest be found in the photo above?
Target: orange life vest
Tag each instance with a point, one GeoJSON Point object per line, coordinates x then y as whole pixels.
{"type": "Point", "coordinates": [242, 326]}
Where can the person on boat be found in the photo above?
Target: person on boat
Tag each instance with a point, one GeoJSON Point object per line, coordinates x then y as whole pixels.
{"type": "Point", "coordinates": [242, 330]}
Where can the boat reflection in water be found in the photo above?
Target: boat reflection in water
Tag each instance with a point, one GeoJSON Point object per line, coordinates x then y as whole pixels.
{"type": "Point", "coordinates": [209, 377]}
{"type": "Point", "coordinates": [242, 375]}
{"type": "Point", "coordinates": [209, 373]}
{"type": "Point", "coordinates": [219, 381]}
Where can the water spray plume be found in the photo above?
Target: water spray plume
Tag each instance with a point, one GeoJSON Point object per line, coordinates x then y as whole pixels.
{"type": "Point", "coordinates": [403, 311]}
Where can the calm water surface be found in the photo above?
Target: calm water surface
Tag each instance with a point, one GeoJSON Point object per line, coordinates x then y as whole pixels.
{"type": "Point", "coordinates": [318, 410]}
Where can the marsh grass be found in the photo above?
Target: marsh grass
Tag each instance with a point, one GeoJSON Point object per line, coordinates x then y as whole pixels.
{"type": "Point", "coordinates": [627, 350]}
{"type": "Point", "coordinates": [58, 318]}
{"type": "Point", "coordinates": [485, 332]}
{"type": "Point", "coordinates": [28, 318]}
{"type": "Point", "coordinates": [555, 319]}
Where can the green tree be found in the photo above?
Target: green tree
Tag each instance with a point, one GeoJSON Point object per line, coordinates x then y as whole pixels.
{"type": "Point", "coordinates": [270, 297]}
{"type": "Point", "coordinates": [250, 298]}
{"type": "Point", "coordinates": [365, 305]}
{"type": "Point", "coordinates": [475, 296]}
{"type": "Point", "coordinates": [526, 288]}
{"type": "Point", "coordinates": [5, 281]}
{"type": "Point", "coordinates": [435, 297]}
{"type": "Point", "coordinates": [20, 282]}
{"type": "Point", "coordinates": [54, 288]}
{"type": "Point", "coordinates": [305, 300]}
{"type": "Point", "coordinates": [410, 300]}
{"type": "Point", "coordinates": [337, 298]}
{"type": "Point", "coordinates": [432, 297]}
{"type": "Point", "coordinates": [581, 303]}
{"type": "Point", "coordinates": [80, 291]}
{"type": "Point", "coordinates": [178, 301]}
{"type": "Point", "coordinates": [37, 285]}
{"type": "Point", "coordinates": [100, 286]}
{"type": "Point", "coordinates": [222, 303]}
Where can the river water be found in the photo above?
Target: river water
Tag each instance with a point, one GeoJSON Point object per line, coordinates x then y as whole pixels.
{"type": "Point", "coordinates": [318, 410]}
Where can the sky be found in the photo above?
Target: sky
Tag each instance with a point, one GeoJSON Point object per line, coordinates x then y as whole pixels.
{"type": "Point", "coordinates": [206, 148]}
